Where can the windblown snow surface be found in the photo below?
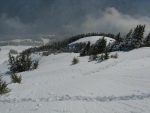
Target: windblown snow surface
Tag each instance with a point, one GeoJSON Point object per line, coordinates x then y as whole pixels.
{"type": "Point", "coordinates": [114, 86]}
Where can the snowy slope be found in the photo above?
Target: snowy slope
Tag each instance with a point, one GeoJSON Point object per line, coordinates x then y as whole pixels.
{"type": "Point", "coordinates": [93, 39]}
{"type": "Point", "coordinates": [115, 86]}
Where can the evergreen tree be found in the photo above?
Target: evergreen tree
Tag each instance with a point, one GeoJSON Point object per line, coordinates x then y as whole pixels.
{"type": "Point", "coordinates": [3, 87]}
{"type": "Point", "coordinates": [92, 50]}
{"type": "Point", "coordinates": [117, 45]}
{"type": "Point", "coordinates": [129, 34]}
{"type": "Point", "coordinates": [106, 55]}
{"type": "Point", "coordinates": [118, 37]}
{"type": "Point", "coordinates": [11, 59]}
{"type": "Point", "coordinates": [21, 63]}
{"type": "Point", "coordinates": [100, 46]}
{"type": "Point", "coordinates": [75, 61]}
{"type": "Point", "coordinates": [85, 50]}
{"type": "Point", "coordinates": [134, 39]}
{"type": "Point", "coordinates": [15, 78]}
{"type": "Point", "coordinates": [147, 40]}
{"type": "Point", "coordinates": [138, 36]}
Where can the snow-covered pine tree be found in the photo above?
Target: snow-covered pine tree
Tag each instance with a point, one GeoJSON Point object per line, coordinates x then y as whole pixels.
{"type": "Point", "coordinates": [117, 45]}
{"type": "Point", "coordinates": [135, 40]}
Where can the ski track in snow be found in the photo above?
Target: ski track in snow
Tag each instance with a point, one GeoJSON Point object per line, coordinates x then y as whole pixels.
{"type": "Point", "coordinates": [78, 98]}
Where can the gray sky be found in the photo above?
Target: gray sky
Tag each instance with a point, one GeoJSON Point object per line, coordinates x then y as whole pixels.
{"type": "Point", "coordinates": [36, 17]}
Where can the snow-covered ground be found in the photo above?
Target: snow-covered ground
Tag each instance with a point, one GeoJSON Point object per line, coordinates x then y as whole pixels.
{"type": "Point", "coordinates": [114, 86]}
{"type": "Point", "coordinates": [93, 39]}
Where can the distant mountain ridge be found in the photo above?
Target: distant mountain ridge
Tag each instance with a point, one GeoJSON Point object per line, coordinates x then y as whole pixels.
{"type": "Point", "coordinates": [27, 42]}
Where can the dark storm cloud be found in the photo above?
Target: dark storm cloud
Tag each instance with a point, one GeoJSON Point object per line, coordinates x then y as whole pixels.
{"type": "Point", "coordinates": [115, 21]}
{"type": "Point", "coordinates": [19, 17]}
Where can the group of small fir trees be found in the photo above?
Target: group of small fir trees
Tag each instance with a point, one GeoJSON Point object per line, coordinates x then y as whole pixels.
{"type": "Point", "coordinates": [4, 86]}
{"type": "Point", "coordinates": [19, 63]}
{"type": "Point", "coordinates": [132, 40]}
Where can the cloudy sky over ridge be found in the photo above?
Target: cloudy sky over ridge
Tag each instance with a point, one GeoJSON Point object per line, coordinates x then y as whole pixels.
{"type": "Point", "coordinates": [19, 17]}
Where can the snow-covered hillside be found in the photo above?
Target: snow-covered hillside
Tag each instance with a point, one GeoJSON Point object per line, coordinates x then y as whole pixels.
{"type": "Point", "coordinates": [93, 39]}
{"type": "Point", "coordinates": [114, 86]}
